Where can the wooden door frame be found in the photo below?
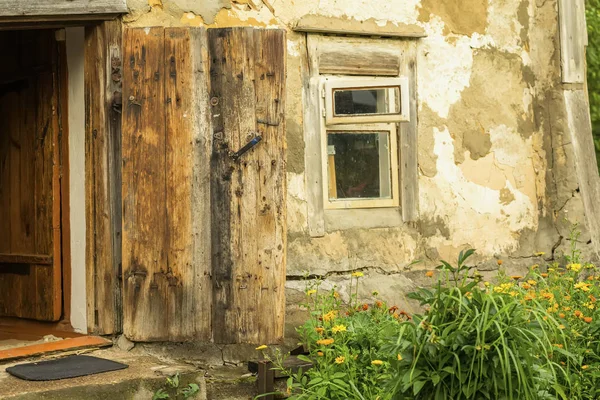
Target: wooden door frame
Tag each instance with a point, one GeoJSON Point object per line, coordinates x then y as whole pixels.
{"type": "Point", "coordinates": [102, 69]}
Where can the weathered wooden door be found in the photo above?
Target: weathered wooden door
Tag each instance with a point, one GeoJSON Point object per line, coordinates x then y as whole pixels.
{"type": "Point", "coordinates": [203, 230]}
{"type": "Point", "coordinates": [30, 231]}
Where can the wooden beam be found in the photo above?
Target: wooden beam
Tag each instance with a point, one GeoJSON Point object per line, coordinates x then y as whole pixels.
{"type": "Point", "coordinates": [573, 38]}
{"type": "Point", "coordinates": [26, 259]}
{"type": "Point", "coordinates": [580, 128]}
{"type": "Point", "coordinates": [313, 158]}
{"type": "Point", "coordinates": [28, 8]}
{"type": "Point", "coordinates": [103, 176]}
{"type": "Point", "coordinates": [312, 23]}
{"type": "Point", "coordinates": [408, 149]}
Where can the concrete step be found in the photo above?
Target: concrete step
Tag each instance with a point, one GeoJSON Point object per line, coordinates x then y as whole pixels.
{"type": "Point", "coordinates": [146, 374]}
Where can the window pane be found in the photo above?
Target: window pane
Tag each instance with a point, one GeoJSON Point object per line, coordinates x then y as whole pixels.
{"type": "Point", "coordinates": [358, 165]}
{"type": "Point", "coordinates": [367, 101]}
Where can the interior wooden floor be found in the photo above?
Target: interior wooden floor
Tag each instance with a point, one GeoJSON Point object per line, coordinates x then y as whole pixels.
{"type": "Point", "coordinates": [22, 338]}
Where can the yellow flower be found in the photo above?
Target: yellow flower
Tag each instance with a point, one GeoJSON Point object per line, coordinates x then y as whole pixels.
{"type": "Point", "coordinates": [336, 295]}
{"type": "Point", "coordinates": [516, 277]}
{"type": "Point", "coordinates": [338, 328]}
{"type": "Point", "coordinates": [532, 282]}
{"type": "Point", "coordinates": [399, 357]}
{"type": "Point", "coordinates": [261, 347]}
{"type": "Point", "coordinates": [585, 366]}
{"type": "Point", "coordinates": [311, 292]}
{"type": "Point", "coordinates": [357, 274]}
{"type": "Point", "coordinates": [376, 362]}
{"type": "Point", "coordinates": [526, 286]}
{"type": "Point", "coordinates": [340, 360]}
{"type": "Point", "coordinates": [560, 346]}
{"type": "Point", "coordinates": [329, 316]}
{"type": "Point", "coordinates": [486, 284]}
{"type": "Point", "coordinates": [325, 342]}
{"type": "Point", "coordinates": [320, 353]}
{"type": "Point", "coordinates": [574, 267]}
{"type": "Point", "coordinates": [583, 286]}
{"type": "Point", "coordinates": [429, 274]}
{"type": "Point", "coordinates": [544, 275]}
{"type": "Point", "coordinates": [539, 253]}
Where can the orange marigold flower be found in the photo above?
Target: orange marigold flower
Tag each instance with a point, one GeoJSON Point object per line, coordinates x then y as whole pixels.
{"type": "Point", "coordinates": [577, 313]}
{"type": "Point", "coordinates": [365, 307]}
{"type": "Point", "coordinates": [587, 319]}
{"type": "Point", "coordinates": [392, 309]}
{"type": "Point", "coordinates": [320, 353]}
{"type": "Point", "coordinates": [592, 298]}
{"type": "Point", "coordinates": [516, 277]}
{"type": "Point", "coordinates": [325, 342]}
{"type": "Point", "coordinates": [544, 275]}
{"type": "Point", "coordinates": [526, 286]}
{"type": "Point", "coordinates": [532, 282]}
{"type": "Point", "coordinates": [429, 274]}
{"type": "Point", "coordinates": [561, 315]}
{"type": "Point", "coordinates": [378, 304]}
{"type": "Point", "coordinates": [319, 330]}
{"type": "Point", "coordinates": [499, 262]}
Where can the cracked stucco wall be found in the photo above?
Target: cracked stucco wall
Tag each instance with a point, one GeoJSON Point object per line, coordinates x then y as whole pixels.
{"type": "Point", "coordinates": [496, 170]}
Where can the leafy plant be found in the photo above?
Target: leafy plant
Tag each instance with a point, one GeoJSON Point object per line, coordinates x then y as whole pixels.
{"type": "Point", "coordinates": [172, 388]}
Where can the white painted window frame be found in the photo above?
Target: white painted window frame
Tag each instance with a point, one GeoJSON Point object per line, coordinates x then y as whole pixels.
{"type": "Point", "coordinates": [359, 125]}
{"type": "Point", "coordinates": [330, 84]}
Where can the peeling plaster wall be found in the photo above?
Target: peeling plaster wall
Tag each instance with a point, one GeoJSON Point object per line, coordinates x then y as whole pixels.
{"type": "Point", "coordinates": [495, 163]}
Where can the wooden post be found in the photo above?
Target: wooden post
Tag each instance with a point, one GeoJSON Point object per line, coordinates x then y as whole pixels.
{"type": "Point", "coordinates": [103, 69]}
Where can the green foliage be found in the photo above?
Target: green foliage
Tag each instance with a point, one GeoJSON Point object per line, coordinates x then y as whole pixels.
{"type": "Point", "coordinates": [593, 68]}
{"type": "Point", "coordinates": [531, 337]}
{"type": "Point", "coordinates": [474, 343]}
{"type": "Point", "coordinates": [173, 391]}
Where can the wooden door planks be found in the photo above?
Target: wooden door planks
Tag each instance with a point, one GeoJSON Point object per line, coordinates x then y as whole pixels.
{"type": "Point", "coordinates": [248, 195]}
{"type": "Point", "coordinates": [165, 250]}
{"type": "Point", "coordinates": [103, 174]}
{"type": "Point", "coordinates": [30, 178]}
{"type": "Point", "coordinates": [203, 236]}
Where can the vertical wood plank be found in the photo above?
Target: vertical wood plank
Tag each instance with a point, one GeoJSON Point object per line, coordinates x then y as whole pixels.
{"type": "Point", "coordinates": [144, 198]}
{"type": "Point", "coordinates": [201, 178]}
{"type": "Point", "coordinates": [408, 149]}
{"type": "Point", "coordinates": [248, 194]}
{"type": "Point", "coordinates": [580, 128]}
{"type": "Point", "coordinates": [312, 139]}
{"type": "Point", "coordinates": [186, 288]}
{"type": "Point", "coordinates": [103, 64]}
{"type": "Point", "coordinates": [573, 38]}
{"type": "Point", "coordinates": [271, 232]}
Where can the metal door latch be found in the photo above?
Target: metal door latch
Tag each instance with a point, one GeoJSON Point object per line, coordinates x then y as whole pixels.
{"type": "Point", "coordinates": [255, 140]}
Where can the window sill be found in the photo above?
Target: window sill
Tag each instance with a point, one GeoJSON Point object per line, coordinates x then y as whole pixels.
{"type": "Point", "coordinates": [360, 218]}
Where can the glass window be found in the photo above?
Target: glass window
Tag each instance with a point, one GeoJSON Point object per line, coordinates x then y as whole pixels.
{"type": "Point", "coordinates": [367, 101]}
{"type": "Point", "coordinates": [358, 165]}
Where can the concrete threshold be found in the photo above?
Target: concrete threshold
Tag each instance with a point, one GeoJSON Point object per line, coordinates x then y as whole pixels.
{"type": "Point", "coordinates": [146, 374]}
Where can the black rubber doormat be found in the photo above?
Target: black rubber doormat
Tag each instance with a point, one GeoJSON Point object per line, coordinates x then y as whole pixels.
{"type": "Point", "coordinates": [64, 368]}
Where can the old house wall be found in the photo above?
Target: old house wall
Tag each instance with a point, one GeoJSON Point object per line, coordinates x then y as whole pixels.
{"type": "Point", "coordinates": [496, 170]}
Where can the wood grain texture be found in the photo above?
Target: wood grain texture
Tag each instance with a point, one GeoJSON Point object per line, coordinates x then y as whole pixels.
{"type": "Point", "coordinates": [144, 186]}
{"type": "Point", "coordinates": [580, 128]}
{"type": "Point", "coordinates": [187, 283]}
{"type": "Point", "coordinates": [408, 149]}
{"type": "Point", "coordinates": [314, 23]}
{"type": "Point", "coordinates": [312, 140]}
{"type": "Point", "coordinates": [24, 8]}
{"type": "Point", "coordinates": [167, 288]}
{"type": "Point", "coordinates": [343, 58]}
{"type": "Point", "coordinates": [103, 65]}
{"type": "Point", "coordinates": [248, 195]}
{"type": "Point", "coordinates": [30, 177]}
{"type": "Point", "coordinates": [573, 39]}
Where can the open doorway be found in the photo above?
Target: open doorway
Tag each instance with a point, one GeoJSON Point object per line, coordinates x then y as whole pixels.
{"type": "Point", "coordinates": [35, 262]}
